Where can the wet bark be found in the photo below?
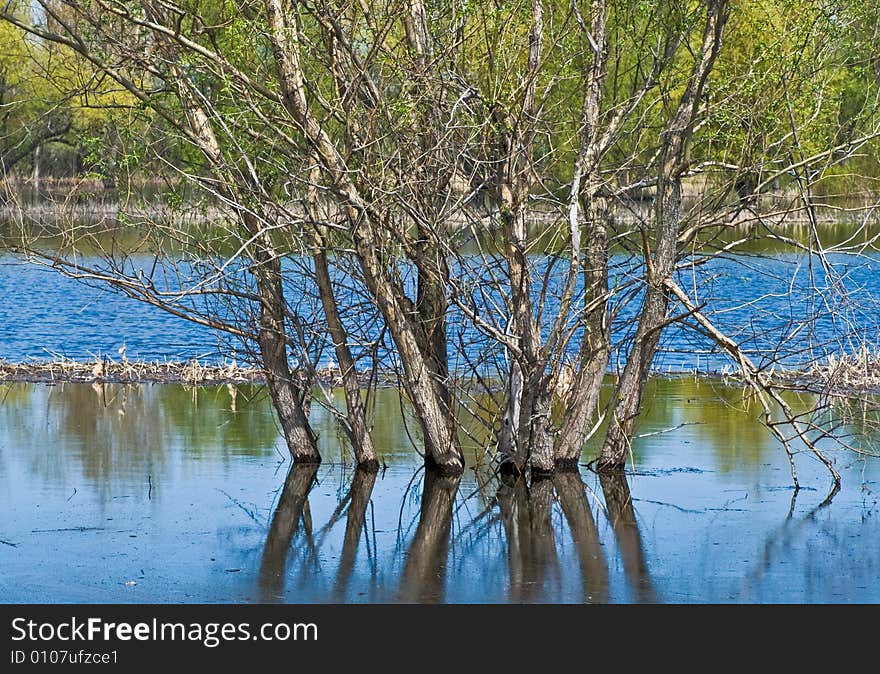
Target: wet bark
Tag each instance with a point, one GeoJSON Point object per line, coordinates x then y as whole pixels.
{"type": "Point", "coordinates": [618, 504]}
{"type": "Point", "coordinates": [285, 523]}
{"type": "Point", "coordinates": [359, 492]}
{"type": "Point", "coordinates": [591, 559]}
{"type": "Point", "coordinates": [423, 579]}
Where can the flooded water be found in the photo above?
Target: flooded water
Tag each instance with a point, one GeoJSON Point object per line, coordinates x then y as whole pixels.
{"type": "Point", "coordinates": [782, 308]}
{"type": "Point", "coordinates": [160, 493]}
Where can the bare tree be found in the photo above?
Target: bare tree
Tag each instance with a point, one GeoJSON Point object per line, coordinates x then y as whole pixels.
{"type": "Point", "coordinates": [499, 199]}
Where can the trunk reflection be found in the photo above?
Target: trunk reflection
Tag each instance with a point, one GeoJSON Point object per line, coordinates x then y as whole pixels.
{"type": "Point", "coordinates": [359, 498]}
{"type": "Point", "coordinates": [531, 543]}
{"type": "Point", "coordinates": [571, 491]}
{"type": "Point", "coordinates": [424, 573]}
{"type": "Point", "coordinates": [618, 503]}
{"type": "Point", "coordinates": [291, 510]}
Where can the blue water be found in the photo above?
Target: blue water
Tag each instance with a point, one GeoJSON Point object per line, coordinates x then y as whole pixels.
{"type": "Point", "coordinates": [783, 309]}
{"type": "Point", "coordinates": [159, 493]}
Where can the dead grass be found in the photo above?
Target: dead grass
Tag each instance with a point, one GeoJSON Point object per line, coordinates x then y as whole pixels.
{"type": "Point", "coordinates": [106, 370]}
{"type": "Point", "coordinates": [850, 372]}
{"type": "Point", "coordinates": [190, 373]}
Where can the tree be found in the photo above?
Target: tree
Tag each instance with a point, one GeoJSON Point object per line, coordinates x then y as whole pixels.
{"type": "Point", "coordinates": [451, 182]}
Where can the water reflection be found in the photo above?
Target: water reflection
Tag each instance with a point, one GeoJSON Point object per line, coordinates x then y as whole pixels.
{"type": "Point", "coordinates": [531, 546]}
{"type": "Point", "coordinates": [619, 506]}
{"type": "Point", "coordinates": [291, 517]}
{"type": "Point", "coordinates": [424, 573]}
{"type": "Point", "coordinates": [572, 495]}
{"type": "Point", "coordinates": [356, 515]}
{"type": "Point", "coordinates": [225, 518]}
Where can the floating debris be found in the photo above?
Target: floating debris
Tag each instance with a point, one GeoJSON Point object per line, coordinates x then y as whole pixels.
{"type": "Point", "coordinates": [192, 373]}
{"type": "Point", "coordinates": [849, 372]}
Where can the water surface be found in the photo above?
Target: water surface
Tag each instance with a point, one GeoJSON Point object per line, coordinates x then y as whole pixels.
{"type": "Point", "coordinates": [162, 493]}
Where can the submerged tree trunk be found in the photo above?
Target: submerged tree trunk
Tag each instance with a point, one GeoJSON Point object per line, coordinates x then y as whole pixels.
{"type": "Point", "coordinates": [287, 396]}
{"type": "Point", "coordinates": [357, 428]}
{"type": "Point", "coordinates": [426, 391]}
{"type": "Point", "coordinates": [582, 400]}
{"type": "Point", "coordinates": [659, 266]}
{"type": "Point", "coordinates": [526, 438]}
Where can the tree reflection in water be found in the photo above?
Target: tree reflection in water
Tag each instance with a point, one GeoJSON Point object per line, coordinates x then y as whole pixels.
{"type": "Point", "coordinates": [531, 543]}
{"type": "Point", "coordinates": [358, 498]}
{"type": "Point", "coordinates": [523, 524]}
{"type": "Point", "coordinates": [424, 574]}
{"type": "Point", "coordinates": [292, 509]}
{"type": "Point", "coordinates": [619, 507]}
{"type": "Point", "coordinates": [572, 494]}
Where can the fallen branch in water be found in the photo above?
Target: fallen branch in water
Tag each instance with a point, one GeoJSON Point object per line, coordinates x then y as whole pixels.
{"type": "Point", "coordinates": [765, 392]}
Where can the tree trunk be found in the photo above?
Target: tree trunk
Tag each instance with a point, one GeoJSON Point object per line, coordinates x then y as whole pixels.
{"type": "Point", "coordinates": [431, 304]}
{"type": "Point", "coordinates": [285, 392]}
{"type": "Point", "coordinates": [528, 440]}
{"type": "Point", "coordinates": [582, 400]}
{"type": "Point", "coordinates": [628, 396]}
{"type": "Point", "coordinates": [515, 147]}
{"type": "Point", "coordinates": [535, 418]}
{"type": "Point", "coordinates": [442, 449]}
{"type": "Point", "coordinates": [357, 428]}
{"type": "Point", "coordinates": [667, 221]}
{"type": "Point", "coordinates": [514, 456]}
{"type": "Point", "coordinates": [286, 396]}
